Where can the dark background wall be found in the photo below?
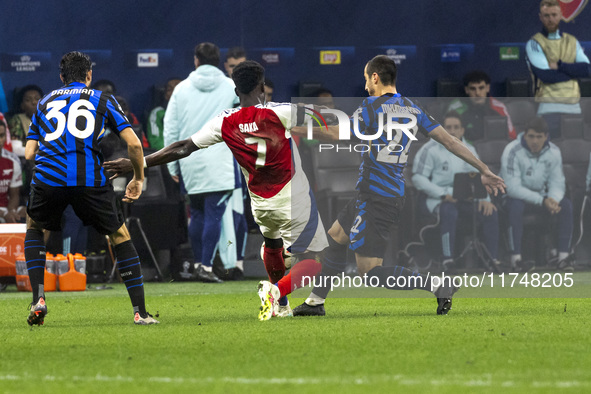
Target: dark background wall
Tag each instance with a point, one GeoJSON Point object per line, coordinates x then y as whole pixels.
{"type": "Point", "coordinates": [297, 30]}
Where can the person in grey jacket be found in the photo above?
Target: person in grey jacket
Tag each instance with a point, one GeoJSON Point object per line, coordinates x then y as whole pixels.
{"type": "Point", "coordinates": [433, 173]}
{"type": "Point", "coordinates": [532, 168]}
{"type": "Point", "coordinates": [210, 175]}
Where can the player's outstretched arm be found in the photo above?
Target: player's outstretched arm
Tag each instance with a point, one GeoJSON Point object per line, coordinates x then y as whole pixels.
{"type": "Point", "coordinates": [493, 183]}
{"type": "Point", "coordinates": [136, 155]}
{"type": "Point", "coordinates": [327, 133]}
{"type": "Point", "coordinates": [172, 152]}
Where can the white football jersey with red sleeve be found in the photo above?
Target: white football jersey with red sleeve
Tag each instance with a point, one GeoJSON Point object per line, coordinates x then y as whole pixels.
{"type": "Point", "coordinates": [260, 140]}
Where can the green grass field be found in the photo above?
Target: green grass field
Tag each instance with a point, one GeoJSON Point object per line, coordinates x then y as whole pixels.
{"type": "Point", "coordinates": [210, 340]}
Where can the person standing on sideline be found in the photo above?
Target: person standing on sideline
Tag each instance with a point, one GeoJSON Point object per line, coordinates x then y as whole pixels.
{"type": "Point", "coordinates": [557, 61]}
{"type": "Point", "coordinates": [210, 176]}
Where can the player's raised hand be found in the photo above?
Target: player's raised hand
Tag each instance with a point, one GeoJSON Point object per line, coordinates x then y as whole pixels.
{"type": "Point", "coordinates": [493, 183]}
{"type": "Point", "coordinates": [118, 167]}
{"type": "Point", "coordinates": [133, 190]}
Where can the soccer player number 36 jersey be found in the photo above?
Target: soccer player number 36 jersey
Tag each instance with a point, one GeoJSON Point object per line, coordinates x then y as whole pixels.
{"type": "Point", "coordinates": [69, 124]}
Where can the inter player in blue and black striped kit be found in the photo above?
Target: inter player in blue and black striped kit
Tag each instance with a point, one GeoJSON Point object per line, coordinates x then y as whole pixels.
{"type": "Point", "coordinates": [63, 140]}
{"type": "Point", "coordinates": [365, 224]}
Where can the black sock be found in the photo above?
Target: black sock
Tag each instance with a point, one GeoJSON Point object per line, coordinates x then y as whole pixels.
{"type": "Point", "coordinates": [35, 256]}
{"type": "Point", "coordinates": [399, 278]}
{"type": "Point", "coordinates": [128, 264]}
{"type": "Point", "coordinates": [334, 262]}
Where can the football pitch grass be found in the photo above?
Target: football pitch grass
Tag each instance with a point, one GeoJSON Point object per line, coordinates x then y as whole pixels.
{"type": "Point", "coordinates": [210, 340]}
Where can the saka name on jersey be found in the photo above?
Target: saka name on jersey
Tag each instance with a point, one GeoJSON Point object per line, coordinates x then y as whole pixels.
{"type": "Point", "coordinates": [260, 140]}
{"type": "Point", "coordinates": [69, 124]}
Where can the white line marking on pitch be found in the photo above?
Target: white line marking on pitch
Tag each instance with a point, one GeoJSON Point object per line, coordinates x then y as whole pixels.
{"type": "Point", "coordinates": [474, 381]}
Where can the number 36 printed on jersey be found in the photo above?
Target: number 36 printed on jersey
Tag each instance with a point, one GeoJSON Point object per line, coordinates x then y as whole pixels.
{"type": "Point", "coordinates": [79, 108]}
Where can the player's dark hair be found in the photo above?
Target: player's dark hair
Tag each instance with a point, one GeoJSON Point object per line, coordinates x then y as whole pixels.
{"type": "Point", "coordinates": [476, 76]}
{"type": "Point", "coordinates": [384, 67]}
{"type": "Point", "coordinates": [74, 66]}
{"type": "Point", "coordinates": [453, 114]}
{"type": "Point", "coordinates": [208, 53]}
{"type": "Point", "coordinates": [269, 83]}
{"type": "Point", "coordinates": [247, 76]}
{"type": "Point", "coordinates": [235, 53]}
{"type": "Point", "coordinates": [537, 124]}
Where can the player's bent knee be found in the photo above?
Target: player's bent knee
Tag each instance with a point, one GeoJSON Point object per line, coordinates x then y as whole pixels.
{"type": "Point", "coordinates": [33, 225]}
{"type": "Point", "coordinates": [337, 233]}
{"type": "Point", "coordinates": [120, 236]}
{"type": "Point", "coordinates": [366, 264]}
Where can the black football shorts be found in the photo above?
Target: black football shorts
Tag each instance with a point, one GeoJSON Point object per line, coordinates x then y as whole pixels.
{"type": "Point", "coordinates": [368, 220]}
{"type": "Point", "coordinates": [95, 206]}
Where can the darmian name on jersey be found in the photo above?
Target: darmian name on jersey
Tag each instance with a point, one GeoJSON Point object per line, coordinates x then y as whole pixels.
{"type": "Point", "coordinates": [73, 91]}
{"type": "Point", "coordinates": [248, 127]}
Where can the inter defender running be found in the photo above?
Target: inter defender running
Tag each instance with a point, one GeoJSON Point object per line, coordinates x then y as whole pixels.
{"type": "Point", "coordinates": [63, 140]}
{"type": "Point", "coordinates": [365, 224]}
{"type": "Point", "coordinates": [283, 206]}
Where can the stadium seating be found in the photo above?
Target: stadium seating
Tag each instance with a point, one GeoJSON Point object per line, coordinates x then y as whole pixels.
{"type": "Point", "coordinates": [585, 85]}
{"type": "Point", "coordinates": [495, 140]}
{"type": "Point", "coordinates": [449, 88]}
{"type": "Point", "coordinates": [518, 87]}
{"type": "Point", "coordinates": [336, 173]}
{"type": "Point", "coordinates": [571, 127]}
{"type": "Point", "coordinates": [495, 127]}
{"type": "Point", "coordinates": [521, 112]}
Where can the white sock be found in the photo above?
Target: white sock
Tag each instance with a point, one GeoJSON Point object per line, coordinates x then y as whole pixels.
{"type": "Point", "coordinates": [314, 300]}
{"type": "Point", "coordinates": [206, 268]}
{"type": "Point", "coordinates": [515, 258]}
{"type": "Point", "coordinates": [240, 265]}
{"type": "Point", "coordinates": [562, 256]}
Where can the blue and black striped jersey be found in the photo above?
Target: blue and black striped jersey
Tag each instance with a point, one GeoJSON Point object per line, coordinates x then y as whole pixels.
{"type": "Point", "coordinates": [382, 165]}
{"type": "Point", "coordinates": [69, 124]}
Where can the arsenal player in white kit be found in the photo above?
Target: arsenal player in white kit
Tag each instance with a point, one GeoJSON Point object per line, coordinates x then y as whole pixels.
{"type": "Point", "coordinates": [282, 204]}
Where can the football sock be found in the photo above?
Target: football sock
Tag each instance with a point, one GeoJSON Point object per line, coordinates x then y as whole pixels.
{"type": "Point", "coordinates": [334, 262]}
{"type": "Point", "coordinates": [562, 256]}
{"type": "Point", "coordinates": [35, 256]}
{"type": "Point", "coordinates": [514, 259]}
{"type": "Point", "coordinates": [128, 264]}
{"type": "Point", "coordinates": [274, 264]}
{"type": "Point", "coordinates": [399, 278]}
{"type": "Point", "coordinates": [315, 300]}
{"type": "Point", "coordinates": [299, 276]}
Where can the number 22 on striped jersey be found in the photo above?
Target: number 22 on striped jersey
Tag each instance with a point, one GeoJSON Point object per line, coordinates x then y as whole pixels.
{"type": "Point", "coordinates": [261, 150]}
{"type": "Point", "coordinates": [79, 108]}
